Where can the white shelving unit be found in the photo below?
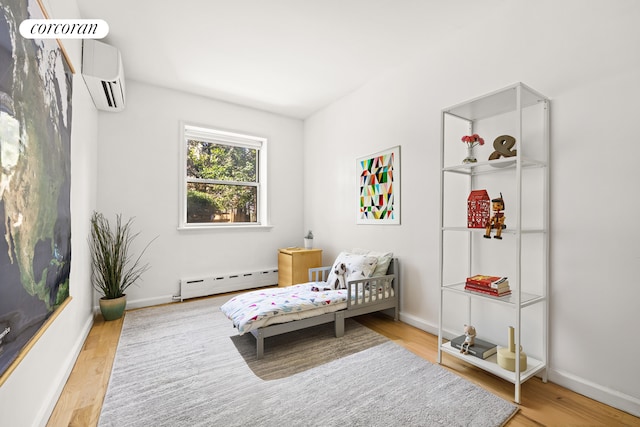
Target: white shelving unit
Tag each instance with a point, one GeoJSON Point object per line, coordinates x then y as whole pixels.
{"type": "Point", "coordinates": [523, 113]}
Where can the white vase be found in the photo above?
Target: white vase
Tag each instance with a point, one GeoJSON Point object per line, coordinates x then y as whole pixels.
{"type": "Point", "coordinates": [471, 158]}
{"type": "Point", "coordinates": [308, 243]}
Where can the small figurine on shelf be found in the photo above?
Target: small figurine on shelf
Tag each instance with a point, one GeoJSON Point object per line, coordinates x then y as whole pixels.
{"type": "Point", "coordinates": [497, 220]}
{"type": "Point", "coordinates": [469, 339]}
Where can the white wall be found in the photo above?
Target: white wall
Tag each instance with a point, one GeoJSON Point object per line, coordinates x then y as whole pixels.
{"type": "Point", "coordinates": [139, 176]}
{"type": "Point", "coordinates": [584, 56]}
{"type": "Point", "coordinates": [32, 390]}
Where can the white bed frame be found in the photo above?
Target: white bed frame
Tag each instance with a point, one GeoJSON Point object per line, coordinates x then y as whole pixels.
{"type": "Point", "coordinates": [355, 306]}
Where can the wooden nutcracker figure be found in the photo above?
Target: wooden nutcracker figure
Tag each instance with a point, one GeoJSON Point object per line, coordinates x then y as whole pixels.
{"type": "Point", "coordinates": [497, 220]}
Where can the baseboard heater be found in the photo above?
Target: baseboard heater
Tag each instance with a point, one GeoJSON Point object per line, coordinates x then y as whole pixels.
{"type": "Point", "coordinates": [212, 285]}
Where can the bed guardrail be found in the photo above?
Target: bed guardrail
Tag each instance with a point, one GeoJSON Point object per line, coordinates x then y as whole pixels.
{"type": "Point", "coordinates": [366, 291]}
{"type": "Point", "coordinates": [370, 290]}
{"type": "Point", "coordinates": [319, 274]}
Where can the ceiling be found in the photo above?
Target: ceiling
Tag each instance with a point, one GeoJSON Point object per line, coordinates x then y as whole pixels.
{"type": "Point", "coordinates": [290, 57]}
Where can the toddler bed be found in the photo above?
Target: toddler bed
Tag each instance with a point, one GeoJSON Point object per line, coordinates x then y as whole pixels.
{"type": "Point", "coordinates": [370, 284]}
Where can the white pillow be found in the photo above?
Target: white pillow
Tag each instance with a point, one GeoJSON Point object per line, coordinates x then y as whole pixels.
{"type": "Point", "coordinates": [384, 259]}
{"type": "Point", "coordinates": [357, 267]}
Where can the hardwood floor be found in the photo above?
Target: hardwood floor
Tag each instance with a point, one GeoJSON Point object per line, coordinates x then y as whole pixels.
{"type": "Point", "coordinates": [542, 404]}
{"type": "Point", "coordinates": [81, 399]}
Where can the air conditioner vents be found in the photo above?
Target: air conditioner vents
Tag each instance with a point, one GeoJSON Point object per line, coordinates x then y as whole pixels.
{"type": "Point", "coordinates": [103, 74]}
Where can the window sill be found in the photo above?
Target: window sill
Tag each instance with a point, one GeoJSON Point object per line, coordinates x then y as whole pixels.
{"type": "Point", "coordinates": [235, 227]}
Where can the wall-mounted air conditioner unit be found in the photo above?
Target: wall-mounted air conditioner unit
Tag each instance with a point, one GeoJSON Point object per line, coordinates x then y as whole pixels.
{"type": "Point", "coordinates": [103, 74]}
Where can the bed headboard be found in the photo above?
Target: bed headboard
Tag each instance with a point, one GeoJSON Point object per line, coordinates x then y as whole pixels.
{"type": "Point", "coordinates": [394, 268]}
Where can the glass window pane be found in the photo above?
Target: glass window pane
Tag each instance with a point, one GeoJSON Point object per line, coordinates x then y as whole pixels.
{"type": "Point", "coordinates": [221, 162]}
{"type": "Point", "coordinates": [220, 203]}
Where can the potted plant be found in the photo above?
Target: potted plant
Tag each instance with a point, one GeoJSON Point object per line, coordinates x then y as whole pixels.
{"type": "Point", "coordinates": [113, 267]}
{"type": "Point", "coordinates": [308, 240]}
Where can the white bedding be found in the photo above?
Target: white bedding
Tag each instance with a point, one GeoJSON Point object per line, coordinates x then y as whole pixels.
{"type": "Point", "coordinates": [256, 309]}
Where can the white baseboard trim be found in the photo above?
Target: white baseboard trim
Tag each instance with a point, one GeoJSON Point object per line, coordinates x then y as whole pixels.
{"type": "Point", "coordinates": [598, 392]}
{"type": "Point", "coordinates": [145, 302]}
{"type": "Point", "coordinates": [419, 323]}
{"type": "Point", "coordinates": [148, 302]}
{"type": "Point", "coordinates": [47, 409]}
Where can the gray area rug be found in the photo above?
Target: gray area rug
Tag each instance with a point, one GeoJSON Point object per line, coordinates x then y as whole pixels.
{"type": "Point", "coordinates": [184, 365]}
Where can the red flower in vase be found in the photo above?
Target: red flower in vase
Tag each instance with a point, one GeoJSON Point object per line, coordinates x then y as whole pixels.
{"type": "Point", "coordinates": [473, 140]}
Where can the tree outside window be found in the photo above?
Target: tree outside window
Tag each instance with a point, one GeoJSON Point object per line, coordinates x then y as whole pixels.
{"type": "Point", "coordinates": [223, 183]}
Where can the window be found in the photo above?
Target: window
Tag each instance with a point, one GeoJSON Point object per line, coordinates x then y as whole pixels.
{"type": "Point", "coordinates": [224, 178]}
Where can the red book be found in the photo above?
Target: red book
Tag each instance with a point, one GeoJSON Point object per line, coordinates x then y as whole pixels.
{"type": "Point", "coordinates": [488, 291]}
{"type": "Point", "coordinates": [492, 282]}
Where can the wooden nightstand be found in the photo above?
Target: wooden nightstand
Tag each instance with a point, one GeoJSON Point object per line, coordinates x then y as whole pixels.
{"type": "Point", "coordinates": [294, 265]}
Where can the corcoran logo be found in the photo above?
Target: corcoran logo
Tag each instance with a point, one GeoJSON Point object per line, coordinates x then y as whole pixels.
{"type": "Point", "coordinates": [64, 28]}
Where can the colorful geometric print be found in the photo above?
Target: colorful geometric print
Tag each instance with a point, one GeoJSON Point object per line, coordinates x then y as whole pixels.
{"type": "Point", "coordinates": [376, 187]}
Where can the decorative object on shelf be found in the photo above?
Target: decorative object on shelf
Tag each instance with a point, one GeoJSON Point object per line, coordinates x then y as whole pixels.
{"type": "Point", "coordinates": [478, 209]}
{"type": "Point", "coordinates": [113, 268]}
{"type": "Point", "coordinates": [379, 187]}
{"type": "Point", "coordinates": [480, 348]}
{"type": "Point", "coordinates": [471, 141]}
{"type": "Point", "coordinates": [507, 356]}
{"type": "Point", "coordinates": [493, 282]}
{"type": "Point", "coordinates": [488, 285]}
{"type": "Point", "coordinates": [497, 220]}
{"type": "Point", "coordinates": [308, 240]}
{"type": "Point", "coordinates": [503, 145]}
{"type": "Point", "coordinates": [469, 339]}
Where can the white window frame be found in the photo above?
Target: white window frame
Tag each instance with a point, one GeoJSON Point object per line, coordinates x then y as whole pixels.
{"type": "Point", "coordinates": [217, 136]}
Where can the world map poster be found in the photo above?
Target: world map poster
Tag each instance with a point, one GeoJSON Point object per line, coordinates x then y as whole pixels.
{"type": "Point", "coordinates": [35, 225]}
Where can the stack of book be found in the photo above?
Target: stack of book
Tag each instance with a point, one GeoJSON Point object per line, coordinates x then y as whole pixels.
{"type": "Point", "coordinates": [480, 348]}
{"type": "Point", "coordinates": [488, 285]}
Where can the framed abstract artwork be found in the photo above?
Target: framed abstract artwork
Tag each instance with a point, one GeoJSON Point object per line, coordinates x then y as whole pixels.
{"type": "Point", "coordinates": [378, 187]}
{"type": "Point", "coordinates": [36, 80]}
